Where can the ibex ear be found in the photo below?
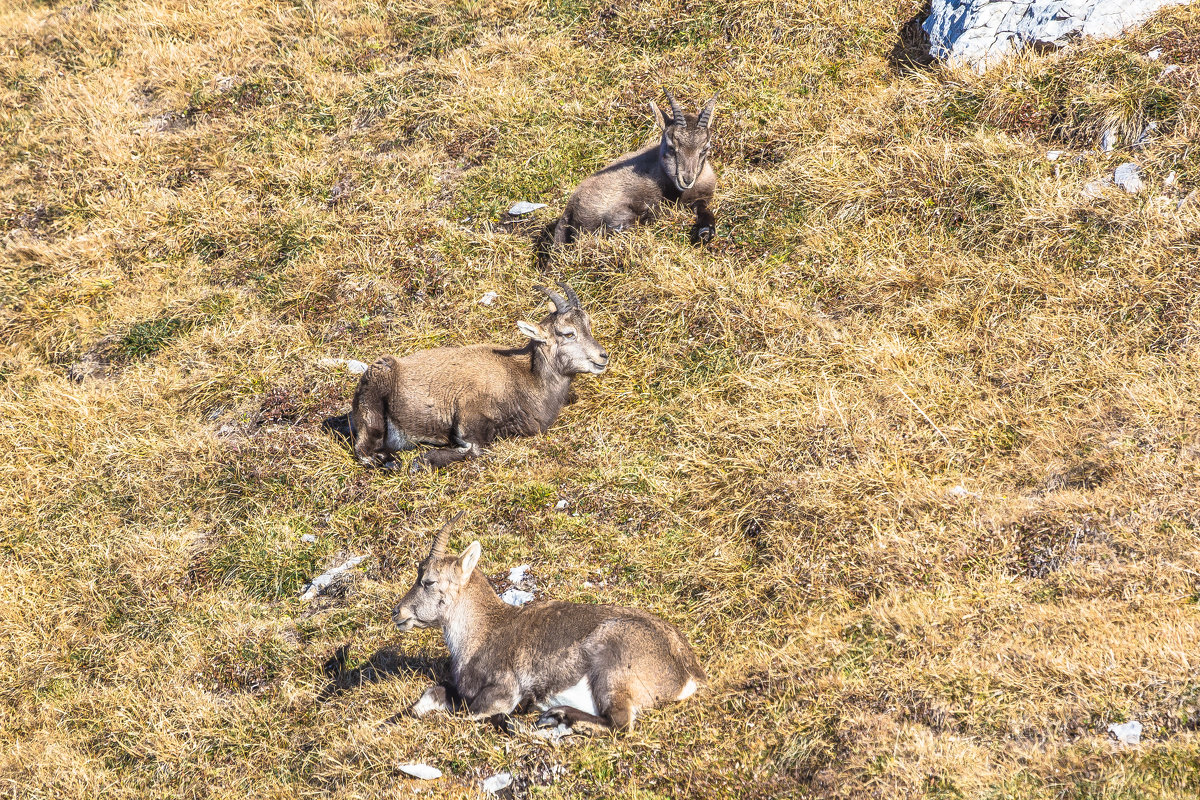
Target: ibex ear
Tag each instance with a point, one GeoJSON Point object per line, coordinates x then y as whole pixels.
{"type": "Point", "coordinates": [469, 558]}
{"type": "Point", "coordinates": [535, 332]}
{"type": "Point", "coordinates": [660, 119]}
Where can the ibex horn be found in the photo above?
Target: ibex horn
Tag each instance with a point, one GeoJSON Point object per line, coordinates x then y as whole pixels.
{"type": "Point", "coordinates": [560, 302]}
{"type": "Point", "coordinates": [675, 109]}
{"type": "Point", "coordinates": [443, 537]}
{"type": "Point", "coordinates": [706, 114]}
{"type": "Point", "coordinates": [571, 296]}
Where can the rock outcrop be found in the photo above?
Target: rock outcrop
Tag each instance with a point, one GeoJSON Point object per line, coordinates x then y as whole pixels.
{"type": "Point", "coordinates": [982, 32]}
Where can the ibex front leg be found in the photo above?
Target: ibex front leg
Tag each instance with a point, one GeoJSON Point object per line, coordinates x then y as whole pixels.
{"type": "Point", "coordinates": [706, 222]}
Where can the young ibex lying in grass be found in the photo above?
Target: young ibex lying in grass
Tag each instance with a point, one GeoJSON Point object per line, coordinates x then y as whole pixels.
{"type": "Point", "coordinates": [461, 399]}
{"type": "Point", "coordinates": [591, 667]}
{"type": "Point", "coordinates": [630, 189]}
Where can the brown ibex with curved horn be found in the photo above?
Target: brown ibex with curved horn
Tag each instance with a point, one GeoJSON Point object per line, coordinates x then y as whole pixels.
{"type": "Point", "coordinates": [588, 666]}
{"type": "Point", "coordinates": [461, 399]}
{"type": "Point", "coordinates": [630, 189]}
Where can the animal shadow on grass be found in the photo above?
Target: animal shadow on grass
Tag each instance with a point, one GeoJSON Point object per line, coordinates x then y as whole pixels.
{"type": "Point", "coordinates": [383, 663]}
{"type": "Point", "coordinates": [339, 428]}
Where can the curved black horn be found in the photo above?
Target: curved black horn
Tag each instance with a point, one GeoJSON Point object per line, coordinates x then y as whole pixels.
{"type": "Point", "coordinates": [442, 538]}
{"type": "Point", "coordinates": [560, 303]}
{"type": "Point", "coordinates": [571, 296]}
{"type": "Point", "coordinates": [675, 109]}
{"type": "Point", "coordinates": [706, 113]}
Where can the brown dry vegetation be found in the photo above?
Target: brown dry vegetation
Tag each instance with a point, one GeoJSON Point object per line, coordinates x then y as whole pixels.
{"type": "Point", "coordinates": [198, 202]}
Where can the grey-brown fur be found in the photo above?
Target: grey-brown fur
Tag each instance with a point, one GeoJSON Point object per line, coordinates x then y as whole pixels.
{"type": "Point", "coordinates": [504, 658]}
{"type": "Point", "coordinates": [629, 190]}
{"type": "Point", "coordinates": [461, 399]}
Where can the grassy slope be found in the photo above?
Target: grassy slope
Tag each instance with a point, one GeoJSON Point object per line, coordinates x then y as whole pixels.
{"type": "Point", "coordinates": [206, 199]}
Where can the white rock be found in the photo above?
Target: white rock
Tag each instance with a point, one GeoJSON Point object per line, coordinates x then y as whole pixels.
{"type": "Point", "coordinates": [322, 581]}
{"type": "Point", "coordinates": [980, 33]}
{"type": "Point", "coordinates": [500, 780]}
{"type": "Point", "coordinates": [1054, 155]}
{"type": "Point", "coordinates": [1155, 54]}
{"type": "Point", "coordinates": [561, 505]}
{"type": "Point", "coordinates": [1108, 141]}
{"type": "Point", "coordinates": [524, 207]}
{"type": "Point", "coordinates": [1129, 177]}
{"type": "Point", "coordinates": [488, 298]}
{"type": "Point", "coordinates": [422, 771]}
{"type": "Point", "coordinates": [516, 597]}
{"type": "Point", "coordinates": [555, 734]}
{"type": "Point", "coordinates": [517, 574]}
{"type": "Point", "coordinates": [958, 491]}
{"type": "Point", "coordinates": [1127, 732]}
{"type": "Point", "coordinates": [308, 538]}
{"type": "Point", "coordinates": [1094, 189]}
{"type": "Point", "coordinates": [1167, 70]}
{"type": "Point", "coordinates": [355, 367]}
{"type": "Point", "coordinates": [1171, 180]}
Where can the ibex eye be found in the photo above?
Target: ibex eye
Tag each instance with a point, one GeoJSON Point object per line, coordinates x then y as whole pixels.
{"type": "Point", "coordinates": [568, 334]}
{"type": "Point", "coordinates": [426, 584]}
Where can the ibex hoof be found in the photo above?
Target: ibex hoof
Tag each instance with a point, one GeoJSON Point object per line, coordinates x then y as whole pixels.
{"type": "Point", "coordinates": [419, 464]}
{"type": "Point", "coordinates": [703, 235]}
{"type": "Point", "coordinates": [552, 718]}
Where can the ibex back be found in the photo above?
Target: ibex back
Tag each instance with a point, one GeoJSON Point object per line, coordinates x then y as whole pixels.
{"type": "Point", "coordinates": [630, 190]}
{"type": "Point", "coordinates": [591, 667]}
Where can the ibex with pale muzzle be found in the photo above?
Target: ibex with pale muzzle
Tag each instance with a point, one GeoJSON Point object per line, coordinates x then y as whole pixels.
{"type": "Point", "coordinates": [591, 667]}
{"type": "Point", "coordinates": [630, 189]}
{"type": "Point", "coordinates": [461, 399]}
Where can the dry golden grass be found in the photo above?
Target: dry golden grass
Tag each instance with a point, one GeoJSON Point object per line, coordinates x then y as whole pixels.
{"type": "Point", "coordinates": [199, 202]}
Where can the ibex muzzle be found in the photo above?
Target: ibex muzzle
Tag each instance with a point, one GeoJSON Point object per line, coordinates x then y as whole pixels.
{"type": "Point", "coordinates": [588, 666]}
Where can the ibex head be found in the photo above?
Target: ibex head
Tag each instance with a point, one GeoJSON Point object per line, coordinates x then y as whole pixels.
{"type": "Point", "coordinates": [441, 579]}
{"type": "Point", "coordinates": [567, 332]}
{"type": "Point", "coordinates": [685, 140]}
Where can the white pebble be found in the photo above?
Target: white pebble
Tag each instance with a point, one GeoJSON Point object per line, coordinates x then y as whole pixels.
{"type": "Point", "coordinates": [1127, 732]}
{"type": "Point", "coordinates": [561, 505]}
{"type": "Point", "coordinates": [488, 298]}
{"type": "Point", "coordinates": [422, 771]}
{"type": "Point", "coordinates": [516, 597]}
{"type": "Point", "coordinates": [497, 782]}
{"type": "Point", "coordinates": [355, 367]}
{"type": "Point", "coordinates": [524, 207]}
{"type": "Point", "coordinates": [517, 574]}
{"type": "Point", "coordinates": [308, 538]}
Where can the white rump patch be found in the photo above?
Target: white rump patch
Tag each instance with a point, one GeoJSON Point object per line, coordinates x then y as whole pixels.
{"type": "Point", "coordinates": [396, 440]}
{"type": "Point", "coordinates": [688, 690]}
{"type": "Point", "coordinates": [578, 696]}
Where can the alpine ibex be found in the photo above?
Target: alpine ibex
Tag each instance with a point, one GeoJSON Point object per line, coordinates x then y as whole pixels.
{"type": "Point", "coordinates": [461, 399]}
{"type": "Point", "coordinates": [630, 189]}
{"type": "Point", "coordinates": [591, 667]}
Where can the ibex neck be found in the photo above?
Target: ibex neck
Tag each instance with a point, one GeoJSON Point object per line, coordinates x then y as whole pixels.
{"type": "Point", "coordinates": [545, 372]}
{"type": "Point", "coordinates": [472, 619]}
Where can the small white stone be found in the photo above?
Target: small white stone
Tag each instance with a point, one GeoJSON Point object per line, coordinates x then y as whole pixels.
{"type": "Point", "coordinates": [516, 597]}
{"type": "Point", "coordinates": [1108, 142]}
{"type": "Point", "coordinates": [1127, 732]}
{"type": "Point", "coordinates": [1094, 189]}
{"type": "Point", "coordinates": [561, 505]}
{"type": "Point", "coordinates": [1155, 54]}
{"type": "Point", "coordinates": [1054, 155]}
{"type": "Point", "coordinates": [1129, 177]}
{"type": "Point", "coordinates": [524, 207]}
{"type": "Point", "coordinates": [517, 574]}
{"type": "Point", "coordinates": [308, 538]}
{"type": "Point", "coordinates": [322, 581]}
{"type": "Point", "coordinates": [500, 780]}
{"type": "Point", "coordinates": [422, 771]}
{"type": "Point", "coordinates": [488, 298]}
{"type": "Point", "coordinates": [356, 367]}
{"type": "Point", "coordinates": [1167, 70]}
{"type": "Point", "coordinates": [1170, 181]}
{"type": "Point", "coordinates": [958, 491]}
